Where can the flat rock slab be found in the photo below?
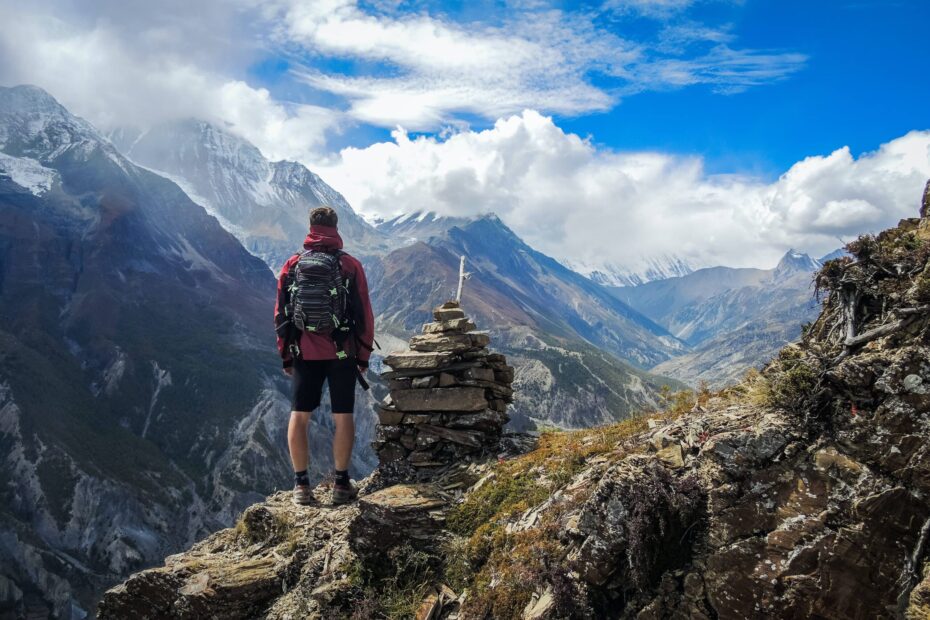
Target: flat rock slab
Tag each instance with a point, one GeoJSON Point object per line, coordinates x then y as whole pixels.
{"type": "Point", "coordinates": [452, 342]}
{"type": "Point", "coordinates": [402, 499]}
{"type": "Point", "coordinates": [399, 514]}
{"type": "Point", "coordinates": [441, 399]}
{"type": "Point", "coordinates": [448, 314]}
{"type": "Point", "coordinates": [417, 360]}
{"type": "Point", "coordinates": [419, 372]}
{"type": "Point", "coordinates": [452, 325]}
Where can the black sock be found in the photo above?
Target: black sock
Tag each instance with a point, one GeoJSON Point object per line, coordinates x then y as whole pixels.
{"type": "Point", "coordinates": [301, 478]}
{"type": "Point", "coordinates": [341, 477]}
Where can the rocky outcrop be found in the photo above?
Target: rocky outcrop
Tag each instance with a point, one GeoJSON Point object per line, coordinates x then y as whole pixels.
{"type": "Point", "coordinates": [448, 398]}
{"type": "Point", "coordinates": [800, 493]}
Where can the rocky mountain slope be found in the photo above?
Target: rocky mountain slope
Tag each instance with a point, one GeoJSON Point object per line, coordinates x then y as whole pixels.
{"type": "Point", "coordinates": [141, 401]}
{"type": "Point", "coordinates": [263, 203]}
{"type": "Point", "coordinates": [799, 493]}
{"type": "Point", "coordinates": [566, 335]}
{"type": "Point", "coordinates": [734, 319]}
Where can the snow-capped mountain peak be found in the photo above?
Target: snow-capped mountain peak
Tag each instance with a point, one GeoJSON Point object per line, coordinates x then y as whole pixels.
{"type": "Point", "coordinates": [34, 125]}
{"type": "Point", "coordinates": [647, 269]}
{"type": "Point", "coordinates": [421, 225]}
{"type": "Point", "coordinates": [264, 203]}
{"type": "Point", "coordinates": [795, 262]}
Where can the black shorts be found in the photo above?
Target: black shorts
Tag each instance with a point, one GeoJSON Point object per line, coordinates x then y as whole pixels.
{"type": "Point", "coordinates": [307, 386]}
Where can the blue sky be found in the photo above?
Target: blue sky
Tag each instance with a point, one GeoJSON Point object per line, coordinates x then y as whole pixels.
{"type": "Point", "coordinates": [859, 84]}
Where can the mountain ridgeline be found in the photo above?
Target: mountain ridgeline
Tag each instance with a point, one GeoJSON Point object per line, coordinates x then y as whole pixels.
{"type": "Point", "coordinates": [564, 333]}
{"type": "Point", "coordinates": [730, 319]}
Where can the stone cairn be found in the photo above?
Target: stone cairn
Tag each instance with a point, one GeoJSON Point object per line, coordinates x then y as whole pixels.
{"type": "Point", "coordinates": [448, 396]}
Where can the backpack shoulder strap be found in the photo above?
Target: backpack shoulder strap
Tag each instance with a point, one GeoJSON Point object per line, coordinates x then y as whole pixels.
{"type": "Point", "coordinates": [293, 267]}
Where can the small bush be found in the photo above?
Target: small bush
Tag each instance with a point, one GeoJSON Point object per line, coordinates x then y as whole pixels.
{"type": "Point", "coordinates": [791, 381]}
{"type": "Point", "coordinates": [393, 589]}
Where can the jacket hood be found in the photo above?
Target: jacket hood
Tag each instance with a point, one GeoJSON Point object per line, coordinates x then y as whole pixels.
{"type": "Point", "coordinates": [323, 238]}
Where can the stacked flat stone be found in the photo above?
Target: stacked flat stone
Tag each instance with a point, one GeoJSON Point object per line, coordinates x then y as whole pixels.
{"type": "Point", "coordinates": [448, 395]}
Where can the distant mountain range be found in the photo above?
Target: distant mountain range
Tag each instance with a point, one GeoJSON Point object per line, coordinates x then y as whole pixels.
{"type": "Point", "coordinates": [565, 334]}
{"type": "Point", "coordinates": [732, 319]}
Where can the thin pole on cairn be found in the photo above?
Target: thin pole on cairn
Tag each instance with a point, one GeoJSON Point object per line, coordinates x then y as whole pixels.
{"type": "Point", "coordinates": [462, 277]}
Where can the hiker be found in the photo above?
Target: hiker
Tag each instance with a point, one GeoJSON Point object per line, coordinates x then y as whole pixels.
{"type": "Point", "coordinates": [325, 331]}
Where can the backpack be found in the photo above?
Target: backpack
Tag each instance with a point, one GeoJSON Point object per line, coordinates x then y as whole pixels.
{"type": "Point", "coordinates": [318, 294]}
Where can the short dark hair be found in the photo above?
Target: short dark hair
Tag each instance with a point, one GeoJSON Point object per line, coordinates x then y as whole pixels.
{"type": "Point", "coordinates": [324, 216]}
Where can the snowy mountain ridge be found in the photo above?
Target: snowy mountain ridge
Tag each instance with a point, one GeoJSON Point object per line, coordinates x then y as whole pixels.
{"type": "Point", "coordinates": [265, 204]}
{"type": "Point", "coordinates": [646, 269]}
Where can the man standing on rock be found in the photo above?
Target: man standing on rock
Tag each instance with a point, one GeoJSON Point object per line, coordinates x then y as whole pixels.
{"type": "Point", "coordinates": [325, 330]}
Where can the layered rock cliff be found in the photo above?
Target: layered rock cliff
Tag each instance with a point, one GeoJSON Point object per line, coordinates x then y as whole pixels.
{"type": "Point", "coordinates": [800, 493]}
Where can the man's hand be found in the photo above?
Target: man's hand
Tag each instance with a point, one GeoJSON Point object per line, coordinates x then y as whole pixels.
{"type": "Point", "coordinates": [362, 370]}
{"type": "Point", "coordinates": [289, 371]}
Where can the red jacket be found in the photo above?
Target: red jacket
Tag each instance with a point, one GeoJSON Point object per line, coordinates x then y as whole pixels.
{"type": "Point", "coordinates": [318, 346]}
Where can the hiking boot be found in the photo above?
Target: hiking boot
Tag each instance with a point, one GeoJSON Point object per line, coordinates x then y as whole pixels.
{"type": "Point", "coordinates": [343, 494]}
{"type": "Point", "coordinates": [302, 495]}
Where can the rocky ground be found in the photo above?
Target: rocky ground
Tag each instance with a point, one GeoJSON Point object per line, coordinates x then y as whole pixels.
{"type": "Point", "coordinates": [800, 493]}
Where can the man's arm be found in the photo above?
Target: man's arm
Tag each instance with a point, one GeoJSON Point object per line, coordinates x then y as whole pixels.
{"type": "Point", "coordinates": [365, 318]}
{"type": "Point", "coordinates": [282, 322]}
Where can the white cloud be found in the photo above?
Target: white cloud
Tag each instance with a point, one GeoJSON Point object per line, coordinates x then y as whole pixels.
{"type": "Point", "coordinates": [658, 9]}
{"type": "Point", "coordinates": [429, 69]}
{"type": "Point", "coordinates": [575, 201]}
{"type": "Point", "coordinates": [139, 63]}
{"type": "Point", "coordinates": [437, 68]}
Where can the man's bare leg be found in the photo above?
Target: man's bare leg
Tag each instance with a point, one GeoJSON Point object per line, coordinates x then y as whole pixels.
{"type": "Point", "coordinates": [297, 439]}
{"type": "Point", "coordinates": [343, 440]}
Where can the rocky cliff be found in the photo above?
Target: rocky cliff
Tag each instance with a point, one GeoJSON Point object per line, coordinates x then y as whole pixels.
{"type": "Point", "coordinates": [799, 493]}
